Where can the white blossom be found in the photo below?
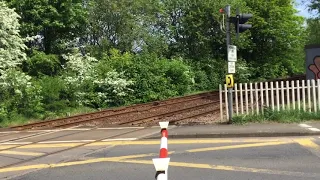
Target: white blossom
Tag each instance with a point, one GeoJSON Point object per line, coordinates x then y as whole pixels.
{"type": "Point", "coordinates": [82, 69]}
{"type": "Point", "coordinates": [11, 44]}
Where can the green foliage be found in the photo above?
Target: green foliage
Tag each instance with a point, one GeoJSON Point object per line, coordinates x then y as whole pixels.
{"type": "Point", "coordinates": [40, 64]}
{"type": "Point", "coordinates": [314, 5]}
{"type": "Point", "coordinates": [312, 29]}
{"type": "Point", "coordinates": [18, 94]}
{"type": "Point", "coordinates": [278, 39]}
{"type": "Point", "coordinates": [91, 88]}
{"type": "Point", "coordinates": [54, 94]}
{"type": "Point", "coordinates": [124, 25]}
{"type": "Point", "coordinates": [58, 21]}
{"type": "Point", "coordinates": [136, 51]}
{"type": "Point", "coordinates": [11, 44]}
{"type": "Point", "coordinates": [155, 78]}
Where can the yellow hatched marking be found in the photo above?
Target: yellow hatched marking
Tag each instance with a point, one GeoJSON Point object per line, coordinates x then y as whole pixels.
{"type": "Point", "coordinates": [124, 143]}
{"type": "Point", "coordinates": [21, 153]}
{"type": "Point", "coordinates": [44, 166]}
{"type": "Point", "coordinates": [308, 143]}
{"type": "Point", "coordinates": [238, 146]}
{"type": "Point", "coordinates": [224, 168]}
{"type": "Point", "coordinates": [7, 147]}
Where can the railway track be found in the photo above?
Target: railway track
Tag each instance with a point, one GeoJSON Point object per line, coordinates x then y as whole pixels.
{"type": "Point", "coordinates": [174, 110]}
{"type": "Point", "coordinates": [119, 116]}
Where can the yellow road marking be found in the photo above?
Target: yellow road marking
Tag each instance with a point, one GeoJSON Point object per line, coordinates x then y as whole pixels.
{"type": "Point", "coordinates": [6, 147]}
{"type": "Point", "coordinates": [222, 167]}
{"type": "Point", "coordinates": [60, 145]}
{"type": "Point", "coordinates": [21, 153]}
{"type": "Point", "coordinates": [237, 146]}
{"type": "Point", "coordinates": [182, 141]}
{"type": "Point", "coordinates": [146, 142]}
{"type": "Point", "coordinates": [44, 166]}
{"type": "Point", "coordinates": [125, 159]}
{"type": "Point", "coordinates": [308, 143]}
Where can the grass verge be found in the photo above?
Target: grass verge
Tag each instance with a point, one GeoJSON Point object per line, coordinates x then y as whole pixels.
{"type": "Point", "coordinates": [282, 116]}
{"type": "Point", "coordinates": [17, 119]}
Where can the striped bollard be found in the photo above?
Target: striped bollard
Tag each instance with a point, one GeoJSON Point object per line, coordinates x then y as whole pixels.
{"type": "Point", "coordinates": [161, 164]}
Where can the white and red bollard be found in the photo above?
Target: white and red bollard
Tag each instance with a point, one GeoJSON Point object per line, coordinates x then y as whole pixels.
{"type": "Point", "coordinates": [161, 164]}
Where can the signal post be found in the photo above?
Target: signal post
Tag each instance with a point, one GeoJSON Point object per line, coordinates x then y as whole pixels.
{"type": "Point", "coordinates": [239, 21]}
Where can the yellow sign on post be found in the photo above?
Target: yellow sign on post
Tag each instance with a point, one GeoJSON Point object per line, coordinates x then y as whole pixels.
{"type": "Point", "coordinates": [229, 81]}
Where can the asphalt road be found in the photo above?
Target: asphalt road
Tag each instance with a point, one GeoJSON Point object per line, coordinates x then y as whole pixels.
{"type": "Point", "coordinates": [202, 159]}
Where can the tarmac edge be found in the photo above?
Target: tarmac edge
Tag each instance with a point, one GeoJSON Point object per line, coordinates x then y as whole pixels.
{"type": "Point", "coordinates": [237, 135]}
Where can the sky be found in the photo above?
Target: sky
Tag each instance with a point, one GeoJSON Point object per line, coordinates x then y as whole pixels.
{"type": "Point", "coordinates": [302, 8]}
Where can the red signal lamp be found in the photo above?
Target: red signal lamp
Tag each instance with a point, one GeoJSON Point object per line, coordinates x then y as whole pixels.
{"type": "Point", "coordinates": [221, 10]}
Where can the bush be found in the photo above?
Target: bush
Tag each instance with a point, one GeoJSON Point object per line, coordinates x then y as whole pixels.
{"type": "Point", "coordinates": [154, 78]}
{"type": "Point", "coordinates": [54, 94]}
{"type": "Point", "coordinates": [19, 94]}
{"type": "Point", "coordinates": [40, 64]}
{"type": "Point", "coordinates": [93, 87]}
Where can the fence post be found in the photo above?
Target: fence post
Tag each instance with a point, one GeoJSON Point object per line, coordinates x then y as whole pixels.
{"type": "Point", "coordinates": [272, 96]}
{"type": "Point", "coordinates": [293, 95]}
{"type": "Point", "coordinates": [236, 98]}
{"type": "Point", "coordinates": [221, 102]}
{"type": "Point", "coordinates": [247, 101]}
{"type": "Point", "coordinates": [261, 95]}
{"type": "Point", "coordinates": [267, 93]}
{"type": "Point", "coordinates": [304, 95]}
{"type": "Point", "coordinates": [282, 95]}
{"type": "Point", "coordinates": [161, 164]}
{"type": "Point", "coordinates": [257, 97]}
{"type": "Point", "coordinates": [298, 94]}
{"type": "Point", "coordinates": [314, 99]}
{"type": "Point", "coordinates": [251, 98]}
{"type": "Point", "coordinates": [277, 90]}
{"type": "Point", "coordinates": [288, 94]}
{"type": "Point", "coordinates": [309, 95]}
{"type": "Point", "coordinates": [226, 100]}
{"type": "Point", "coordinates": [241, 98]}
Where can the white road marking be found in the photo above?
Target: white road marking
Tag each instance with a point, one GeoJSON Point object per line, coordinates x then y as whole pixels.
{"type": "Point", "coordinates": [120, 139]}
{"type": "Point", "coordinates": [29, 136]}
{"type": "Point", "coordinates": [35, 131]}
{"type": "Point", "coordinates": [71, 141]}
{"type": "Point", "coordinates": [77, 129]}
{"type": "Point", "coordinates": [9, 132]}
{"type": "Point", "coordinates": [305, 125]}
{"type": "Point", "coordinates": [309, 127]}
{"type": "Point", "coordinates": [115, 128]}
{"type": "Point", "coordinates": [314, 129]}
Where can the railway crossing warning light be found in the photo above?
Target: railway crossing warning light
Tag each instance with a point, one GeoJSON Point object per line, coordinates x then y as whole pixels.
{"type": "Point", "coordinates": [240, 22]}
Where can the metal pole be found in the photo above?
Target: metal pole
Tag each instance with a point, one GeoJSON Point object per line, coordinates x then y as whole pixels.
{"type": "Point", "coordinates": [230, 97]}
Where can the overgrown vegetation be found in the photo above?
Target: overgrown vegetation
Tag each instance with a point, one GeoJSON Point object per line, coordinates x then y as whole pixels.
{"type": "Point", "coordinates": [282, 116]}
{"type": "Point", "coordinates": [59, 57]}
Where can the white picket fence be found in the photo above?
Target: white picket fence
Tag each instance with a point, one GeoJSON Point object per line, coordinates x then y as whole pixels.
{"type": "Point", "coordinates": [250, 98]}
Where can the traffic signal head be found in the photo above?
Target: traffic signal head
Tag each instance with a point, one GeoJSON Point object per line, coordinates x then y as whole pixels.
{"type": "Point", "coordinates": [241, 19]}
{"type": "Point", "coordinates": [240, 22]}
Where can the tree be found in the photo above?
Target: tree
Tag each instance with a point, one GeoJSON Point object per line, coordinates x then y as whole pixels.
{"type": "Point", "coordinates": [11, 44]}
{"type": "Point", "coordinates": [57, 22]}
{"type": "Point", "coordinates": [127, 25]}
{"type": "Point", "coordinates": [313, 25]}
{"type": "Point", "coordinates": [277, 39]}
{"type": "Point", "coordinates": [314, 5]}
{"type": "Point", "coordinates": [16, 91]}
